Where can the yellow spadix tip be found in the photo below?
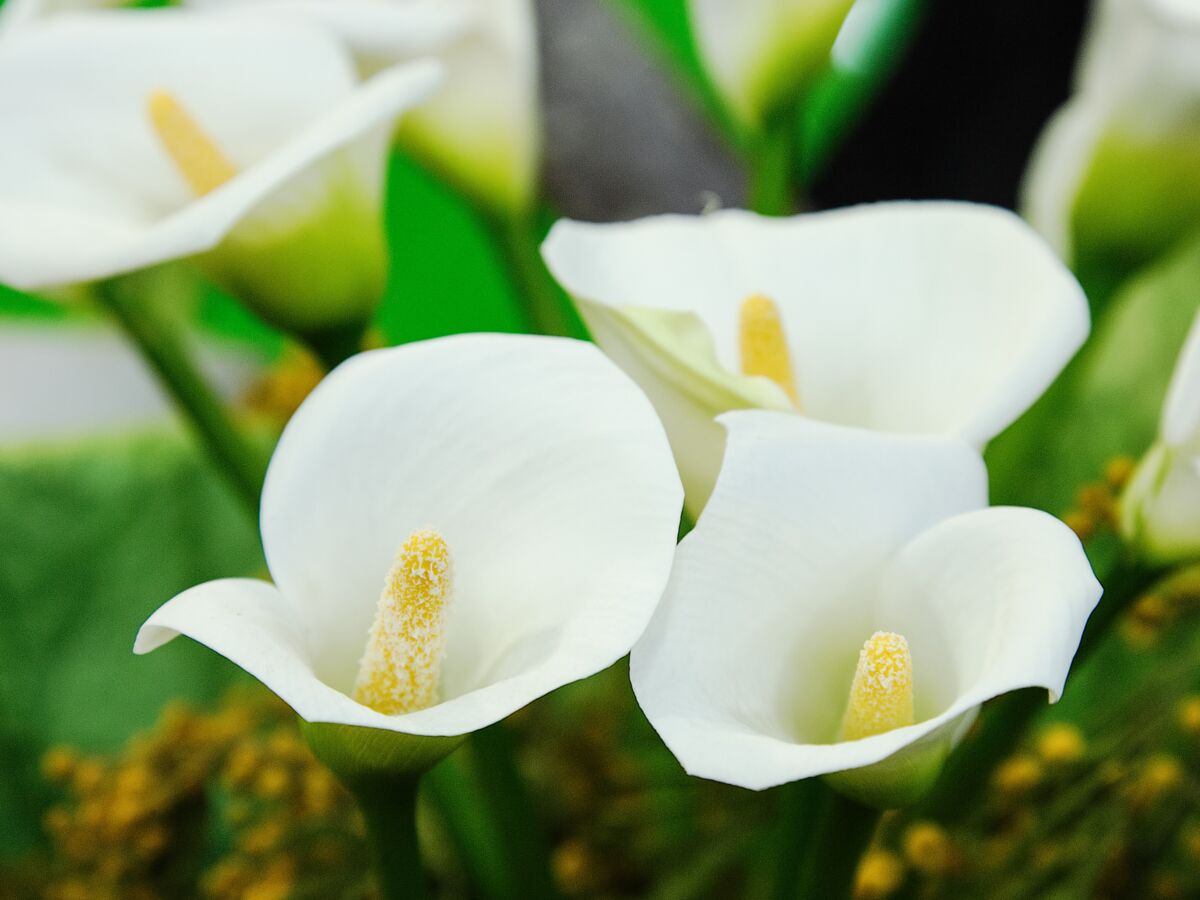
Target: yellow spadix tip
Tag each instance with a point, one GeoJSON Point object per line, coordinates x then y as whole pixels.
{"type": "Point", "coordinates": [401, 665]}
{"type": "Point", "coordinates": [881, 696]}
{"type": "Point", "coordinates": [195, 154]}
{"type": "Point", "coordinates": [763, 343]}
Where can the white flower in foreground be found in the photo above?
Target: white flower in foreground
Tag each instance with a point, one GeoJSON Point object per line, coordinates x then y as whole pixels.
{"type": "Point", "coordinates": [907, 317]}
{"type": "Point", "coordinates": [762, 53]}
{"type": "Point", "coordinates": [1114, 177]}
{"type": "Point", "coordinates": [846, 603]}
{"type": "Point", "coordinates": [1160, 509]}
{"type": "Point", "coordinates": [134, 138]}
{"type": "Point", "coordinates": [482, 128]}
{"type": "Point", "coordinates": [514, 500]}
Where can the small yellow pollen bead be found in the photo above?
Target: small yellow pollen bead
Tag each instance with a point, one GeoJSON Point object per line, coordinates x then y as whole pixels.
{"type": "Point", "coordinates": [763, 344]}
{"type": "Point", "coordinates": [928, 848]}
{"type": "Point", "coordinates": [881, 696]}
{"type": "Point", "coordinates": [400, 667]}
{"type": "Point", "coordinates": [1061, 744]}
{"type": "Point", "coordinates": [879, 874]}
{"type": "Point", "coordinates": [1189, 715]}
{"type": "Point", "coordinates": [196, 156]}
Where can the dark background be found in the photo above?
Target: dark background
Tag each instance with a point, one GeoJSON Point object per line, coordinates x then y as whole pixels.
{"type": "Point", "coordinates": [957, 120]}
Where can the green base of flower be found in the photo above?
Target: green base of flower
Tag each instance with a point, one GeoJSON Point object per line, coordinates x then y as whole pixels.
{"type": "Point", "coordinates": [355, 753]}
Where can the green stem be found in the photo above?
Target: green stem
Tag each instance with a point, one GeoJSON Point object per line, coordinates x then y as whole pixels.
{"type": "Point", "coordinates": [161, 342]}
{"type": "Point", "coordinates": [389, 811]}
{"type": "Point", "coordinates": [842, 833]}
{"type": "Point", "coordinates": [335, 346]}
{"type": "Point", "coordinates": [513, 814]}
{"type": "Point", "coordinates": [800, 804]}
{"type": "Point", "coordinates": [547, 309]}
{"type": "Point", "coordinates": [770, 191]}
{"type": "Point", "coordinates": [1004, 721]}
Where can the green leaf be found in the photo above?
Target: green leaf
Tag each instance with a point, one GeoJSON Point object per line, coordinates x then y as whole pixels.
{"type": "Point", "coordinates": [1109, 400]}
{"type": "Point", "coordinates": [97, 535]}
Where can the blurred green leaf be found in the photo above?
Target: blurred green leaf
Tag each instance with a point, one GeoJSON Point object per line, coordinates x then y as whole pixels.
{"type": "Point", "coordinates": [96, 536]}
{"type": "Point", "coordinates": [1108, 401]}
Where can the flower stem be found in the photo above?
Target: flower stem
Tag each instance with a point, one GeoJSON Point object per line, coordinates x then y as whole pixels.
{"type": "Point", "coordinates": [547, 309]}
{"type": "Point", "coordinates": [158, 336]}
{"type": "Point", "coordinates": [836, 842]}
{"type": "Point", "coordinates": [772, 156]}
{"type": "Point", "coordinates": [513, 814]}
{"type": "Point", "coordinates": [335, 346]}
{"type": "Point", "coordinates": [389, 806]}
{"type": "Point", "coordinates": [1004, 721]}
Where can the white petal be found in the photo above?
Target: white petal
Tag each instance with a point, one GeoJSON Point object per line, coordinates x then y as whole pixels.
{"type": "Point", "coordinates": [542, 465]}
{"type": "Point", "coordinates": [379, 34]}
{"type": "Point", "coordinates": [251, 624]}
{"type": "Point", "coordinates": [85, 172]}
{"type": "Point", "coordinates": [79, 380]}
{"type": "Point", "coordinates": [908, 317]}
{"type": "Point", "coordinates": [18, 12]}
{"type": "Point", "coordinates": [745, 669]}
{"type": "Point", "coordinates": [757, 50]}
{"type": "Point", "coordinates": [1181, 411]}
{"type": "Point", "coordinates": [483, 126]}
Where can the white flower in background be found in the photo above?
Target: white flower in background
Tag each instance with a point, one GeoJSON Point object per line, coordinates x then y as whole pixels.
{"type": "Point", "coordinates": [1114, 177]}
{"type": "Point", "coordinates": [906, 317]}
{"type": "Point", "coordinates": [135, 138]}
{"type": "Point", "coordinates": [846, 603]}
{"type": "Point", "coordinates": [1160, 509]}
{"type": "Point", "coordinates": [482, 128]}
{"type": "Point", "coordinates": [761, 54]}
{"type": "Point", "coordinates": [454, 528]}
{"type": "Point", "coordinates": [78, 380]}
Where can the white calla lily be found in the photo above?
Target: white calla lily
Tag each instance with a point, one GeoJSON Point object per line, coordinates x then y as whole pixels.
{"type": "Point", "coordinates": [482, 127]}
{"type": "Point", "coordinates": [1114, 176]}
{"type": "Point", "coordinates": [817, 539]}
{"type": "Point", "coordinates": [907, 317]}
{"type": "Point", "coordinates": [1160, 508]}
{"type": "Point", "coordinates": [761, 53]}
{"type": "Point", "coordinates": [19, 12]}
{"type": "Point", "coordinates": [134, 138]}
{"type": "Point", "coordinates": [530, 467]}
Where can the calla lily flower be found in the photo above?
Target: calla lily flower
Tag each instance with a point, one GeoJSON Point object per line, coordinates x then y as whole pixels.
{"type": "Point", "coordinates": [17, 12]}
{"type": "Point", "coordinates": [454, 528]}
{"type": "Point", "coordinates": [482, 128]}
{"type": "Point", "coordinates": [846, 603]}
{"type": "Point", "coordinates": [906, 317]}
{"type": "Point", "coordinates": [761, 54]}
{"type": "Point", "coordinates": [135, 138]}
{"type": "Point", "coordinates": [1114, 175]}
{"type": "Point", "coordinates": [1160, 509]}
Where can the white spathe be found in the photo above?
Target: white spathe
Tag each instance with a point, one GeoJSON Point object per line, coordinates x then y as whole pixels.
{"type": "Point", "coordinates": [1160, 508]}
{"type": "Point", "coordinates": [543, 467]}
{"type": "Point", "coordinates": [923, 317]}
{"type": "Point", "coordinates": [87, 190]}
{"type": "Point", "coordinates": [816, 537]}
{"type": "Point", "coordinates": [482, 128]}
{"type": "Point", "coordinates": [761, 53]}
{"type": "Point", "coordinates": [1126, 142]}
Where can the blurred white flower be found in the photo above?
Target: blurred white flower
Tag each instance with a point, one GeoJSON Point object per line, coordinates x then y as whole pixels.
{"type": "Point", "coordinates": [512, 497]}
{"type": "Point", "coordinates": [761, 54]}
{"type": "Point", "coordinates": [78, 380]}
{"type": "Point", "coordinates": [1114, 176]}
{"type": "Point", "coordinates": [1160, 508]}
{"type": "Point", "coordinates": [134, 138]}
{"type": "Point", "coordinates": [482, 128]}
{"type": "Point", "coordinates": [907, 317]}
{"type": "Point", "coordinates": [824, 547]}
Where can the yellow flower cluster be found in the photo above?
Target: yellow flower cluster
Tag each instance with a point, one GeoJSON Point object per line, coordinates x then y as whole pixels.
{"type": "Point", "coordinates": [240, 781]}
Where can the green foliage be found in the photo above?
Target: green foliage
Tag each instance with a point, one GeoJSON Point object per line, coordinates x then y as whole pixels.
{"type": "Point", "coordinates": [97, 536]}
{"type": "Point", "coordinates": [1109, 400]}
